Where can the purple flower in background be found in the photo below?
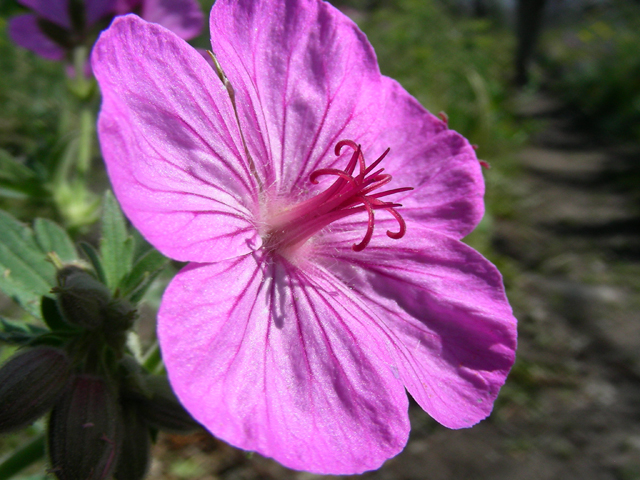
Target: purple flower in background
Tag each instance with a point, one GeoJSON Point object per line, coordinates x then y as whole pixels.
{"type": "Point", "coordinates": [56, 27]}
{"type": "Point", "coordinates": [182, 17]}
{"type": "Point", "coordinates": [321, 208]}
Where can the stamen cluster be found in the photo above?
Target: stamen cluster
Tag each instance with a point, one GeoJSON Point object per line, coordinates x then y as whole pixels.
{"type": "Point", "coordinates": [348, 195]}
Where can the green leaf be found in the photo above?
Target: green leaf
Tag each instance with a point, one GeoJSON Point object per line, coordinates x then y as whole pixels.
{"type": "Point", "coordinates": [94, 258]}
{"type": "Point", "coordinates": [143, 273]}
{"type": "Point", "coordinates": [17, 180]}
{"type": "Point", "coordinates": [53, 238]}
{"type": "Point", "coordinates": [22, 457]}
{"type": "Point", "coordinates": [140, 245]}
{"type": "Point", "coordinates": [14, 333]}
{"type": "Point", "coordinates": [15, 338]}
{"type": "Point", "coordinates": [116, 245]}
{"type": "Point", "coordinates": [12, 191]}
{"type": "Point", "coordinates": [12, 327]}
{"type": "Point", "coordinates": [13, 170]}
{"type": "Point", "coordinates": [25, 275]}
{"type": "Point", "coordinates": [142, 288]}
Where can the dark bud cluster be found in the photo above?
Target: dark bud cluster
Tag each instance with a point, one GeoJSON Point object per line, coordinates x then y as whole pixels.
{"type": "Point", "coordinates": [85, 430]}
{"type": "Point", "coordinates": [82, 299]}
{"type": "Point", "coordinates": [105, 407]}
{"type": "Point", "coordinates": [30, 383]}
{"type": "Point", "coordinates": [148, 404]}
{"type": "Point", "coordinates": [85, 302]}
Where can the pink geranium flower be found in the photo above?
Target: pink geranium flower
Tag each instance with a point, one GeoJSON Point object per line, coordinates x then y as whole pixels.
{"type": "Point", "coordinates": [320, 287]}
{"type": "Point", "coordinates": [57, 26]}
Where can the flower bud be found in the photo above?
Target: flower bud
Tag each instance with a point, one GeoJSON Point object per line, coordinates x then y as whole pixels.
{"type": "Point", "coordinates": [133, 462]}
{"type": "Point", "coordinates": [120, 315]}
{"type": "Point", "coordinates": [85, 430]}
{"type": "Point", "coordinates": [82, 299]}
{"type": "Point", "coordinates": [30, 383]}
{"type": "Point", "coordinates": [162, 409]}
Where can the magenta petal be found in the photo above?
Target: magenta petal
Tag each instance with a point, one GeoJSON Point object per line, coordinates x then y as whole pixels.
{"type": "Point", "coordinates": [56, 11]}
{"type": "Point", "coordinates": [282, 362]}
{"type": "Point", "coordinates": [439, 164]}
{"type": "Point", "coordinates": [171, 145]}
{"type": "Point", "coordinates": [307, 77]}
{"type": "Point", "coordinates": [182, 17]}
{"type": "Point", "coordinates": [455, 334]}
{"type": "Point", "coordinates": [25, 31]}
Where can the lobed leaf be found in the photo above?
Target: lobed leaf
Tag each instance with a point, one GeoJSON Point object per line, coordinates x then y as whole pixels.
{"type": "Point", "coordinates": [25, 275]}
{"type": "Point", "coordinates": [14, 333]}
{"type": "Point", "coordinates": [53, 238]}
{"type": "Point", "coordinates": [143, 272]}
{"type": "Point", "coordinates": [116, 245]}
{"type": "Point", "coordinates": [94, 258]}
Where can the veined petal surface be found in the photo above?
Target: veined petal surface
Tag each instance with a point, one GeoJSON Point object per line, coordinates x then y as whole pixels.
{"type": "Point", "coordinates": [439, 164]}
{"type": "Point", "coordinates": [307, 77]}
{"type": "Point", "coordinates": [282, 361]}
{"type": "Point", "coordinates": [25, 31]}
{"type": "Point", "coordinates": [171, 144]}
{"type": "Point", "coordinates": [454, 331]}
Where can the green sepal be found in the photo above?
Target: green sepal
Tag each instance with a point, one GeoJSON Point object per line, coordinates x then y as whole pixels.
{"type": "Point", "coordinates": [53, 318]}
{"type": "Point", "coordinates": [82, 300]}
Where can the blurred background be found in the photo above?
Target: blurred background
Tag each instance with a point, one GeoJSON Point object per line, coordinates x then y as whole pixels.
{"type": "Point", "coordinates": [550, 93]}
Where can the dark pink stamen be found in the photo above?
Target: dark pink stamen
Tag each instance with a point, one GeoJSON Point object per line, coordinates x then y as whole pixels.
{"type": "Point", "coordinates": [348, 195]}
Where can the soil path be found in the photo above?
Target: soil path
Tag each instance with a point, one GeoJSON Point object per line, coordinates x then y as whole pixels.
{"type": "Point", "coordinates": [571, 407]}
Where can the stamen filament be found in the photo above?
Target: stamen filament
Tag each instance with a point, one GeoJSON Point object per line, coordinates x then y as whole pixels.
{"type": "Point", "coordinates": [348, 195]}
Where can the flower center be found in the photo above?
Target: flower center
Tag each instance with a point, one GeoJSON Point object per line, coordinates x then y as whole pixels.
{"type": "Point", "coordinates": [348, 195]}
